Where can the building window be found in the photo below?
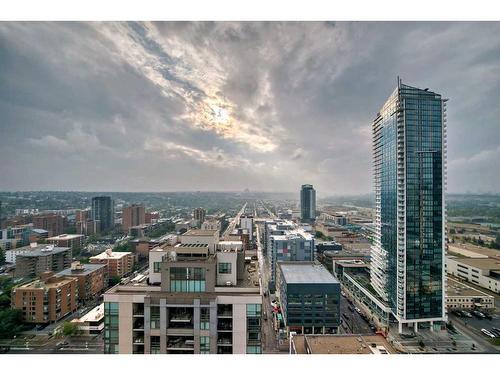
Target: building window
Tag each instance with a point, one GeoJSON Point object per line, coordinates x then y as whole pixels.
{"type": "Point", "coordinates": [225, 268]}
{"type": "Point", "coordinates": [111, 327]}
{"type": "Point", "coordinates": [188, 279]}
{"type": "Point", "coordinates": [204, 345]}
{"type": "Point", "coordinates": [254, 343]}
{"type": "Point", "coordinates": [156, 267]}
{"type": "Point", "coordinates": [155, 317]}
{"type": "Point", "coordinates": [204, 318]}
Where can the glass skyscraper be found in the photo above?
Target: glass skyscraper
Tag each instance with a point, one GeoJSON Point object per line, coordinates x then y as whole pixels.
{"type": "Point", "coordinates": [103, 213]}
{"type": "Point", "coordinates": [409, 154]}
{"type": "Point", "coordinates": [307, 203]}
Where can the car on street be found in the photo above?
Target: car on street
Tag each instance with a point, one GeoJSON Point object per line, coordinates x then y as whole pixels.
{"type": "Point", "coordinates": [457, 313]}
{"type": "Point", "coordinates": [466, 314]}
{"type": "Point", "coordinates": [62, 344]}
{"type": "Point", "coordinates": [358, 310]}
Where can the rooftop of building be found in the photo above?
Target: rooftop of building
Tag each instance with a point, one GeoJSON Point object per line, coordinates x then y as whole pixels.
{"type": "Point", "coordinates": [472, 251]}
{"type": "Point", "coordinates": [341, 344]}
{"type": "Point", "coordinates": [201, 232]}
{"type": "Point", "coordinates": [306, 273]}
{"type": "Point", "coordinates": [293, 233]}
{"type": "Point", "coordinates": [65, 237]}
{"type": "Point", "coordinates": [109, 254]}
{"type": "Point", "coordinates": [94, 315]}
{"type": "Point", "coordinates": [455, 288]}
{"type": "Point", "coordinates": [34, 250]}
{"type": "Point", "coordinates": [486, 264]}
{"type": "Point", "coordinates": [84, 269]}
{"type": "Point", "coordinates": [51, 282]}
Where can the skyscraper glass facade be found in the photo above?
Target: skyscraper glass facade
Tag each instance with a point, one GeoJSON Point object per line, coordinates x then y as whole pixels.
{"type": "Point", "coordinates": [307, 203]}
{"type": "Point", "coordinates": [409, 156]}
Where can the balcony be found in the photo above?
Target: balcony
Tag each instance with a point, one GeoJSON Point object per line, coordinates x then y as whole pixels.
{"type": "Point", "coordinates": [180, 343]}
{"type": "Point", "coordinates": [180, 317]}
{"type": "Point", "coordinates": [225, 325]}
{"type": "Point", "coordinates": [138, 309]}
{"type": "Point", "coordinates": [224, 311]}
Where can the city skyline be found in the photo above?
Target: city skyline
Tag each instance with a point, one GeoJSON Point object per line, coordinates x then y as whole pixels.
{"type": "Point", "coordinates": [229, 106]}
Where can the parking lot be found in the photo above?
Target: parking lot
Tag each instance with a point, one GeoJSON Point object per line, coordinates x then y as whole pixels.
{"type": "Point", "coordinates": [477, 323]}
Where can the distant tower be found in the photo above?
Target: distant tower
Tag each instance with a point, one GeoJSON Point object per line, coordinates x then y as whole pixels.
{"type": "Point", "coordinates": [307, 203]}
{"type": "Point", "coordinates": [409, 158]}
{"type": "Point", "coordinates": [199, 215]}
{"type": "Point", "coordinates": [103, 213]}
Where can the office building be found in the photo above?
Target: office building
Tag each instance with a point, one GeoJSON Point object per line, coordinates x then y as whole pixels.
{"type": "Point", "coordinates": [409, 154]}
{"type": "Point", "coordinates": [310, 298]}
{"type": "Point", "coordinates": [119, 263]}
{"type": "Point", "coordinates": [199, 215]}
{"type": "Point", "coordinates": [52, 223]}
{"type": "Point", "coordinates": [46, 300]}
{"type": "Point", "coordinates": [103, 213]}
{"type": "Point", "coordinates": [73, 241]}
{"type": "Point", "coordinates": [132, 216]}
{"type": "Point", "coordinates": [460, 296]}
{"type": "Point", "coordinates": [483, 272]}
{"type": "Point", "coordinates": [202, 301]}
{"type": "Point", "coordinates": [307, 203]}
{"type": "Point", "coordinates": [246, 222]}
{"type": "Point", "coordinates": [40, 258]}
{"type": "Point", "coordinates": [92, 279]}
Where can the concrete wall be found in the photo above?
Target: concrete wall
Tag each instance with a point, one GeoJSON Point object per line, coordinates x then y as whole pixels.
{"type": "Point", "coordinates": [229, 257]}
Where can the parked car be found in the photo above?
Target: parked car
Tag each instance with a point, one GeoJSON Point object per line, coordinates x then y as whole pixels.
{"type": "Point", "coordinates": [487, 316]}
{"type": "Point", "coordinates": [466, 314]}
{"type": "Point", "coordinates": [488, 333]}
{"type": "Point", "coordinates": [457, 313]}
{"type": "Point", "coordinates": [478, 314]}
{"type": "Point", "coordinates": [357, 310]}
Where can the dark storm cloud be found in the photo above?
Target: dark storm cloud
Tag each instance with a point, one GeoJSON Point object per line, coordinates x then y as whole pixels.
{"type": "Point", "coordinates": [225, 106]}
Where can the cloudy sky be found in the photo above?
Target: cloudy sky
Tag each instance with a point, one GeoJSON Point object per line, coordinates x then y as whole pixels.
{"type": "Point", "coordinates": [227, 106]}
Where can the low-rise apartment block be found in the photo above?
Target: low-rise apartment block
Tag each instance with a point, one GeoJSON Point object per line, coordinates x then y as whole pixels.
{"type": "Point", "coordinates": [46, 300]}
{"type": "Point", "coordinates": [119, 263]}
{"type": "Point", "coordinates": [92, 279]}
{"type": "Point", "coordinates": [40, 258]}
{"type": "Point", "coordinates": [73, 241]}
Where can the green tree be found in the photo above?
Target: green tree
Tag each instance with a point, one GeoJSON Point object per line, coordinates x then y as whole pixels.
{"type": "Point", "coordinates": [70, 329]}
{"type": "Point", "coordinates": [10, 323]}
{"type": "Point", "coordinates": [2, 256]}
{"type": "Point", "coordinates": [114, 280]}
{"type": "Point", "coordinates": [319, 234]}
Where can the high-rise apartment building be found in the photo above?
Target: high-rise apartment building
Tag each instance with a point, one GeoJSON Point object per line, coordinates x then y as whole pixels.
{"type": "Point", "coordinates": [194, 300]}
{"type": "Point", "coordinates": [132, 216]}
{"type": "Point", "coordinates": [103, 213]}
{"type": "Point", "coordinates": [199, 215]}
{"type": "Point", "coordinates": [408, 256]}
{"type": "Point", "coordinates": [307, 203]}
